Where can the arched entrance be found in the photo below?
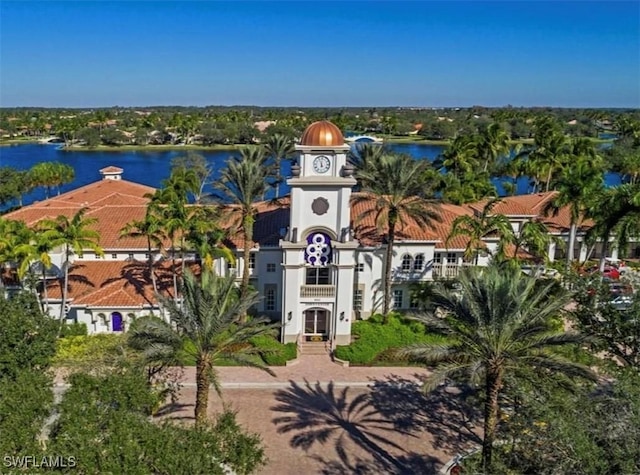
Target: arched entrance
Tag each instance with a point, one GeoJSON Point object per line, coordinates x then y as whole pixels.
{"type": "Point", "coordinates": [116, 322]}
{"type": "Point", "coordinates": [316, 324]}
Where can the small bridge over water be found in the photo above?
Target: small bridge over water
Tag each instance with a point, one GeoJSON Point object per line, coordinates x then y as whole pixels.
{"type": "Point", "coordinates": [363, 139]}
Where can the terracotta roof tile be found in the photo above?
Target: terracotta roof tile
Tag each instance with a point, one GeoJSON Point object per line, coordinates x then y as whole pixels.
{"type": "Point", "coordinates": [114, 283]}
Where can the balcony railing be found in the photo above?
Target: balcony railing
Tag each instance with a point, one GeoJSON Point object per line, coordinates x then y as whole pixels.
{"type": "Point", "coordinates": [448, 271]}
{"type": "Point", "coordinates": [317, 291]}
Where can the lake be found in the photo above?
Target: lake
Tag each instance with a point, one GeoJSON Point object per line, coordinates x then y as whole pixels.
{"type": "Point", "coordinates": [151, 167]}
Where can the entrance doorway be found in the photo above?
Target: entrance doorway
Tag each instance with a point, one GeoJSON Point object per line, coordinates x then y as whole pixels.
{"type": "Point", "coordinates": [116, 322]}
{"type": "Point", "coordinates": [316, 324]}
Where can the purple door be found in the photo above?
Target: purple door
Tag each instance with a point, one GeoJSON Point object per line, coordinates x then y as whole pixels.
{"type": "Point", "coordinates": [116, 321]}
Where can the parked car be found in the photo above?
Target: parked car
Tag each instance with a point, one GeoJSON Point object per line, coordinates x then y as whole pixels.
{"type": "Point", "coordinates": [539, 271]}
{"type": "Point", "coordinates": [622, 302]}
{"type": "Point", "coordinates": [618, 264]}
{"type": "Point", "coordinates": [619, 288]}
{"type": "Point", "coordinates": [609, 272]}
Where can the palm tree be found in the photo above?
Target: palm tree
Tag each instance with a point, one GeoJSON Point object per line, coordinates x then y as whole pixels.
{"type": "Point", "coordinates": [207, 239]}
{"type": "Point", "coordinates": [207, 327]}
{"type": "Point", "coordinates": [243, 182]}
{"type": "Point", "coordinates": [478, 227]}
{"type": "Point", "coordinates": [549, 154]}
{"type": "Point", "coordinates": [612, 209]}
{"type": "Point", "coordinates": [492, 143]}
{"type": "Point", "coordinates": [498, 325]}
{"type": "Point", "coordinates": [74, 236]}
{"type": "Point", "coordinates": [36, 249]}
{"type": "Point", "coordinates": [13, 234]}
{"type": "Point", "coordinates": [151, 229]}
{"type": "Point", "coordinates": [395, 184]}
{"type": "Point", "coordinates": [279, 147]}
{"type": "Point", "coordinates": [580, 182]}
{"type": "Point", "coordinates": [533, 236]}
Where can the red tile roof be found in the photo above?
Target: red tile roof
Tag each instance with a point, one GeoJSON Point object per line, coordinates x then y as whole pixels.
{"type": "Point", "coordinates": [113, 202]}
{"type": "Point", "coordinates": [114, 283]}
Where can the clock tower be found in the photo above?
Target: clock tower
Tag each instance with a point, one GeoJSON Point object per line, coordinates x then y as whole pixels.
{"type": "Point", "coordinates": [318, 251]}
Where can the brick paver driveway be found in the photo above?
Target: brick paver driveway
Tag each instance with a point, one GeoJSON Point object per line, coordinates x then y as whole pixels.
{"type": "Point", "coordinates": [317, 417]}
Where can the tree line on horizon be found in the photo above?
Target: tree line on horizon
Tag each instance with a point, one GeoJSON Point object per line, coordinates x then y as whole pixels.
{"type": "Point", "coordinates": [236, 125]}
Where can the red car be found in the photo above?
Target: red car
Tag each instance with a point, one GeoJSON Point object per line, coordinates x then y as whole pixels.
{"type": "Point", "coordinates": [609, 272]}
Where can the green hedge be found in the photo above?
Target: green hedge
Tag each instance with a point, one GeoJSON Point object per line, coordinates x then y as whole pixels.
{"type": "Point", "coordinates": [88, 349]}
{"type": "Point", "coordinates": [73, 329]}
{"type": "Point", "coordinates": [272, 352]}
{"type": "Point", "coordinates": [372, 339]}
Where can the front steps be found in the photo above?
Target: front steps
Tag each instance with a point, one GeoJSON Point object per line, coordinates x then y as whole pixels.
{"type": "Point", "coordinates": [315, 348]}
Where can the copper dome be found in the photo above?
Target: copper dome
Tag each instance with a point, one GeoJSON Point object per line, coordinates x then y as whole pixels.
{"type": "Point", "coordinates": [322, 133]}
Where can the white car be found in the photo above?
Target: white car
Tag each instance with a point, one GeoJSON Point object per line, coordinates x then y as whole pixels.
{"type": "Point", "coordinates": [622, 302]}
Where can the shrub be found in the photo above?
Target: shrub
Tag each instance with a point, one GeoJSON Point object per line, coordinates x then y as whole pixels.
{"type": "Point", "coordinates": [73, 329]}
{"type": "Point", "coordinates": [272, 352]}
{"type": "Point", "coordinates": [374, 339]}
{"type": "Point", "coordinates": [88, 349]}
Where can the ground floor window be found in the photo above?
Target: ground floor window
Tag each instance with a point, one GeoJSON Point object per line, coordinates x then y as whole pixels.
{"type": "Point", "coordinates": [397, 298]}
{"type": "Point", "coordinates": [270, 297]}
{"type": "Point", "coordinates": [357, 299]}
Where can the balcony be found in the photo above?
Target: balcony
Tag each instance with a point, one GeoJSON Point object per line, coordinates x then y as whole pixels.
{"type": "Point", "coordinates": [317, 291]}
{"type": "Point", "coordinates": [448, 271]}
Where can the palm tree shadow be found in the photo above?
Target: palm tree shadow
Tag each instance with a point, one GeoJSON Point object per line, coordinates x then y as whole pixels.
{"type": "Point", "coordinates": [315, 414]}
{"type": "Point", "coordinates": [444, 413]}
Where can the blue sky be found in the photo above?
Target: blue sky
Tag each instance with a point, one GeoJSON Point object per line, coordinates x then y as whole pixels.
{"type": "Point", "coordinates": [93, 54]}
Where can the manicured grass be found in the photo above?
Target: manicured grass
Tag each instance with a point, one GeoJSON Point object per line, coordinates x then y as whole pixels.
{"type": "Point", "coordinates": [374, 340]}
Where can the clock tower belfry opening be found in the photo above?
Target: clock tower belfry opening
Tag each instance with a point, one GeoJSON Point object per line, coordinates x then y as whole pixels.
{"type": "Point", "coordinates": [319, 252]}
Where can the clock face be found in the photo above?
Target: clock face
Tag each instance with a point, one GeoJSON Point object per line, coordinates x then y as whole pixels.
{"type": "Point", "coordinates": [321, 164]}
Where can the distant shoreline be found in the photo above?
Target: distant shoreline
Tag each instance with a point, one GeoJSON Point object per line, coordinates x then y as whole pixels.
{"type": "Point", "coordinates": [142, 148]}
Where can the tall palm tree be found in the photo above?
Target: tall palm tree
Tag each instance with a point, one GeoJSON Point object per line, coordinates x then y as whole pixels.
{"type": "Point", "coordinates": [244, 181]}
{"type": "Point", "coordinates": [533, 236]}
{"type": "Point", "coordinates": [75, 236]}
{"type": "Point", "coordinates": [498, 325]}
{"type": "Point", "coordinates": [13, 234]}
{"type": "Point", "coordinates": [207, 328]}
{"type": "Point", "coordinates": [36, 249]}
{"type": "Point", "coordinates": [549, 154]}
{"type": "Point", "coordinates": [612, 209]}
{"type": "Point", "coordinates": [280, 147]}
{"type": "Point", "coordinates": [207, 239]}
{"type": "Point", "coordinates": [395, 185]}
{"type": "Point", "coordinates": [478, 227]}
{"type": "Point", "coordinates": [580, 183]}
{"type": "Point", "coordinates": [492, 143]}
{"type": "Point", "coordinates": [151, 229]}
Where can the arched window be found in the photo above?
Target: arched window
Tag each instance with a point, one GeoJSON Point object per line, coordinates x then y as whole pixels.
{"type": "Point", "coordinates": [406, 262]}
{"type": "Point", "coordinates": [418, 262]}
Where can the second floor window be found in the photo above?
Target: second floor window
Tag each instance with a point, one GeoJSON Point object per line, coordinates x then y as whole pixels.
{"type": "Point", "coordinates": [271, 267]}
{"type": "Point", "coordinates": [252, 261]}
{"type": "Point", "coordinates": [318, 276]}
{"type": "Point", "coordinates": [406, 262]}
{"type": "Point", "coordinates": [418, 262]}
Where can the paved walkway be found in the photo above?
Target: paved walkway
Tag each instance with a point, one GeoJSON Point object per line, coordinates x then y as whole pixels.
{"type": "Point", "coordinates": [308, 368]}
